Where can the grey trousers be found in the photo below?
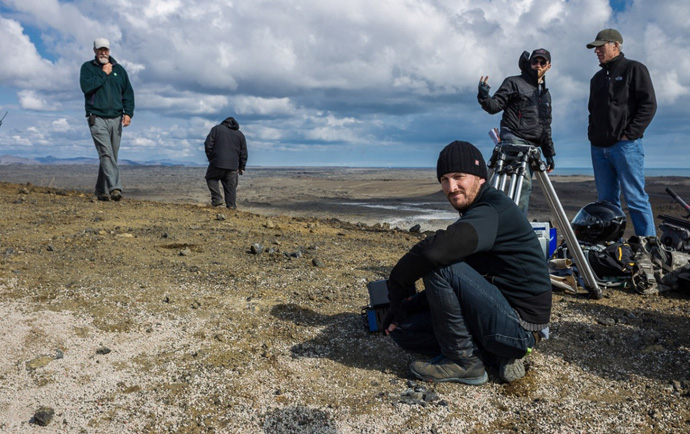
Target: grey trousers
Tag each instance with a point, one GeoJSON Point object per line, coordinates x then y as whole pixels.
{"type": "Point", "coordinates": [106, 134]}
{"type": "Point", "coordinates": [228, 178]}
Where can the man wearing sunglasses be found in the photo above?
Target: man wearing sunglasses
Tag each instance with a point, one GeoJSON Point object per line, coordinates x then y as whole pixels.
{"type": "Point", "coordinates": [526, 105]}
{"type": "Point", "coordinates": [622, 104]}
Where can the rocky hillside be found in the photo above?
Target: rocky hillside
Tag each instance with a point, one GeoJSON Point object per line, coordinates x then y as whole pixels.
{"type": "Point", "coordinates": [150, 317]}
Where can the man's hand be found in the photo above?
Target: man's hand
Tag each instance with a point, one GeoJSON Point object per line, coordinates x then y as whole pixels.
{"type": "Point", "coordinates": [390, 328]}
{"type": "Point", "coordinates": [550, 165]}
{"type": "Point", "coordinates": [107, 68]}
{"type": "Point", "coordinates": [126, 120]}
{"type": "Point", "coordinates": [241, 171]}
{"type": "Point", "coordinates": [484, 87]}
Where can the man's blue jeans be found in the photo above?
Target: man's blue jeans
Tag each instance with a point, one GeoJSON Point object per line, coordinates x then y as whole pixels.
{"type": "Point", "coordinates": [467, 316]}
{"type": "Point", "coordinates": [621, 168]}
{"type": "Point", "coordinates": [106, 133]}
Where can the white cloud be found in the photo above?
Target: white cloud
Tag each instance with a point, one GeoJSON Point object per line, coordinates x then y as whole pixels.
{"type": "Point", "coordinates": [312, 74]}
{"type": "Point", "coordinates": [31, 100]}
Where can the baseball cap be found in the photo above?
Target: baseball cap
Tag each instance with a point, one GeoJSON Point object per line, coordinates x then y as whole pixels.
{"type": "Point", "coordinates": [606, 35]}
{"type": "Point", "coordinates": [540, 52]}
{"type": "Point", "coordinates": [101, 43]}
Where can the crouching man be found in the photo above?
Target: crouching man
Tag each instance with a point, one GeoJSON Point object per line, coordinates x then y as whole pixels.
{"type": "Point", "coordinates": [487, 296]}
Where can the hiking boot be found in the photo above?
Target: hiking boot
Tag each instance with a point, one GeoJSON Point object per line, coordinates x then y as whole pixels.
{"type": "Point", "coordinates": [217, 204]}
{"type": "Point", "coordinates": [442, 369]}
{"type": "Point", "coordinates": [116, 195]}
{"type": "Point", "coordinates": [510, 370]}
{"type": "Point", "coordinates": [103, 197]}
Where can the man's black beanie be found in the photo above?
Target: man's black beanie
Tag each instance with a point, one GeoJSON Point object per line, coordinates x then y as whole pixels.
{"type": "Point", "coordinates": [462, 157]}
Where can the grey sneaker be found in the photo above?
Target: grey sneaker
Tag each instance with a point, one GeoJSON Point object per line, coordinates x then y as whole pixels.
{"type": "Point", "coordinates": [441, 369]}
{"type": "Point", "coordinates": [511, 369]}
{"type": "Point", "coordinates": [116, 195]}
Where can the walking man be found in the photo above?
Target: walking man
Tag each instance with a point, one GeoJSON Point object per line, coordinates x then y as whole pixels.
{"type": "Point", "coordinates": [487, 294]}
{"type": "Point", "coordinates": [109, 103]}
{"type": "Point", "coordinates": [622, 104]}
{"type": "Point", "coordinates": [226, 150]}
{"type": "Point", "coordinates": [526, 104]}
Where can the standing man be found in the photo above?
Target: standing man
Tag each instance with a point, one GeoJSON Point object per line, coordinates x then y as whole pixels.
{"type": "Point", "coordinates": [109, 106]}
{"type": "Point", "coordinates": [487, 294]}
{"type": "Point", "coordinates": [622, 104]}
{"type": "Point", "coordinates": [526, 105]}
{"type": "Point", "coordinates": [226, 150]}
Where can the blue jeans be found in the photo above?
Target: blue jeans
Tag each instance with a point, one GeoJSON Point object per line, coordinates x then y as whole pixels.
{"type": "Point", "coordinates": [106, 134]}
{"type": "Point", "coordinates": [621, 168]}
{"type": "Point", "coordinates": [467, 316]}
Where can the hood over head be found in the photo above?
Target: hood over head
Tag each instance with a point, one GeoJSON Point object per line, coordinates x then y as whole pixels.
{"type": "Point", "coordinates": [231, 123]}
{"type": "Point", "coordinates": [525, 66]}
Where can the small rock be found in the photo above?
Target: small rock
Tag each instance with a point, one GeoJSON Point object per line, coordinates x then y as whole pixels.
{"type": "Point", "coordinates": [317, 262]}
{"type": "Point", "coordinates": [43, 416]}
{"type": "Point", "coordinates": [185, 252]}
{"type": "Point", "coordinates": [38, 362]}
{"type": "Point", "coordinates": [609, 322]}
{"type": "Point", "coordinates": [50, 248]}
{"type": "Point", "coordinates": [220, 217]}
{"type": "Point", "coordinates": [256, 249]}
{"type": "Point", "coordinates": [103, 350]}
{"type": "Point", "coordinates": [416, 229]}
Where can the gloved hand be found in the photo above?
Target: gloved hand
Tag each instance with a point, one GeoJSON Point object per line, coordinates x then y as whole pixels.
{"type": "Point", "coordinates": [550, 165]}
{"type": "Point", "coordinates": [483, 88]}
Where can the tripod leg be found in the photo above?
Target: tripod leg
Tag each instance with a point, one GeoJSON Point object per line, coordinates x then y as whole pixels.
{"type": "Point", "coordinates": [564, 225]}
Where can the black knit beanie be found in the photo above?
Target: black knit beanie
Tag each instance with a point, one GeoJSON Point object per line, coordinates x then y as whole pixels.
{"type": "Point", "coordinates": [462, 157]}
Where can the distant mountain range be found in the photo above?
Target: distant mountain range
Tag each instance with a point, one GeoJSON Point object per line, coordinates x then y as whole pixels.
{"type": "Point", "coordinates": [50, 160]}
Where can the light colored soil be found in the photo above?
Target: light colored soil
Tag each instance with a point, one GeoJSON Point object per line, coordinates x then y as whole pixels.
{"type": "Point", "coordinates": [204, 336]}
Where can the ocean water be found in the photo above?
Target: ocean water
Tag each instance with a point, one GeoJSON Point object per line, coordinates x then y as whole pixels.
{"type": "Point", "coordinates": [651, 172]}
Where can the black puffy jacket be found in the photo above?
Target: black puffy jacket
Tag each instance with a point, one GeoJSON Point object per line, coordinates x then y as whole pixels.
{"type": "Point", "coordinates": [621, 102]}
{"type": "Point", "coordinates": [526, 110]}
{"type": "Point", "coordinates": [226, 147]}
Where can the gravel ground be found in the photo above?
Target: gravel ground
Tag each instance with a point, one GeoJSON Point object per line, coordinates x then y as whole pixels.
{"type": "Point", "coordinates": [153, 317]}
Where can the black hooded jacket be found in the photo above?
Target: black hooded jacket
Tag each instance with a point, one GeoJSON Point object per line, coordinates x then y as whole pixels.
{"type": "Point", "coordinates": [226, 147]}
{"type": "Point", "coordinates": [526, 108]}
{"type": "Point", "coordinates": [621, 102]}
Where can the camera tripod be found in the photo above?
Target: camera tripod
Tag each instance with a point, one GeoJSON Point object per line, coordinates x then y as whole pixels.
{"type": "Point", "coordinates": [508, 165]}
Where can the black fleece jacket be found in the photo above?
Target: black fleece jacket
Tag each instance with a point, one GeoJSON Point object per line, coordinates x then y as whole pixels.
{"type": "Point", "coordinates": [526, 107]}
{"type": "Point", "coordinates": [493, 237]}
{"type": "Point", "coordinates": [621, 102]}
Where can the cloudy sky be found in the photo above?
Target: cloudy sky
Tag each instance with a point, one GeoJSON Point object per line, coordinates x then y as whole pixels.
{"type": "Point", "coordinates": [325, 82]}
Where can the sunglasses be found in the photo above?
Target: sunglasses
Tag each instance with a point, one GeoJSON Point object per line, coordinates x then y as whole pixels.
{"type": "Point", "coordinates": [539, 61]}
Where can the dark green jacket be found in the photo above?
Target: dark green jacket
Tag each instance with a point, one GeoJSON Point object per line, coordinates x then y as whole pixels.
{"type": "Point", "coordinates": [107, 96]}
{"type": "Point", "coordinates": [493, 237]}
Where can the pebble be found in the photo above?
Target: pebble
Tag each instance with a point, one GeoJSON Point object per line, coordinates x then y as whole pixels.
{"type": "Point", "coordinates": [43, 416]}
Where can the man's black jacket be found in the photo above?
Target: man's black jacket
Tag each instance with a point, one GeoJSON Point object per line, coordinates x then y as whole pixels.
{"type": "Point", "coordinates": [494, 237]}
{"type": "Point", "coordinates": [226, 147]}
{"type": "Point", "coordinates": [621, 102]}
{"type": "Point", "coordinates": [526, 109]}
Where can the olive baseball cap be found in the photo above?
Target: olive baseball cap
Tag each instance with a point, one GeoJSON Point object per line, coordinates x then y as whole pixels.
{"type": "Point", "coordinates": [607, 35]}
